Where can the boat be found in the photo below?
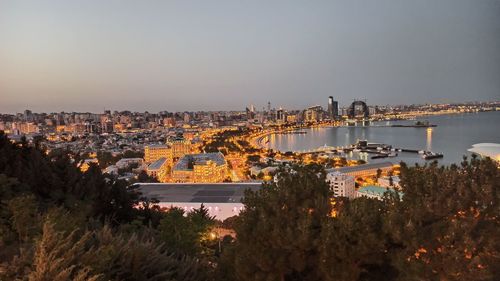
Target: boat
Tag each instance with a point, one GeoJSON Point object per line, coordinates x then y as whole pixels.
{"type": "Point", "coordinates": [432, 155]}
{"type": "Point", "coordinates": [379, 156]}
{"type": "Point", "coordinates": [393, 154]}
{"type": "Point", "coordinates": [418, 124]}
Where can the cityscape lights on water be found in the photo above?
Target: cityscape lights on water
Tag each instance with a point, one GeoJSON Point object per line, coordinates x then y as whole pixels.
{"type": "Point", "coordinates": [429, 139]}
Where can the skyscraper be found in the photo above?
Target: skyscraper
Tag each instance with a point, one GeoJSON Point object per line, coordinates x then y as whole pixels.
{"type": "Point", "coordinates": [333, 108]}
{"type": "Point", "coordinates": [330, 107]}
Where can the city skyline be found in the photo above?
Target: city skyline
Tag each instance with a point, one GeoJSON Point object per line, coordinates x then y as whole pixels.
{"type": "Point", "coordinates": [179, 56]}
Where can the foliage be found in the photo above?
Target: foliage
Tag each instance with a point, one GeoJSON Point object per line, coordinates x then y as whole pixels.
{"type": "Point", "coordinates": [278, 232]}
{"type": "Point", "coordinates": [57, 223]}
{"type": "Point", "coordinates": [444, 227]}
{"type": "Point", "coordinates": [185, 233]}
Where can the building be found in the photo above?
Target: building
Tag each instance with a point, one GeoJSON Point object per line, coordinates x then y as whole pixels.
{"type": "Point", "coordinates": [333, 108]}
{"type": "Point", "coordinates": [491, 150]}
{"type": "Point", "coordinates": [126, 162]}
{"type": "Point", "coordinates": [158, 169]}
{"type": "Point", "coordinates": [203, 167]}
{"type": "Point", "coordinates": [179, 147]}
{"type": "Point", "coordinates": [223, 200]}
{"type": "Point", "coordinates": [341, 184]}
{"type": "Point", "coordinates": [313, 114]}
{"type": "Point", "coordinates": [374, 191]}
{"type": "Point", "coordinates": [155, 152]}
{"type": "Point", "coordinates": [280, 115]}
{"type": "Point", "coordinates": [364, 170]}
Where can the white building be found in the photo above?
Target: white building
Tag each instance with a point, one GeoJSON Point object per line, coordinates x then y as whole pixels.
{"type": "Point", "coordinates": [341, 184]}
{"type": "Point", "coordinates": [223, 200]}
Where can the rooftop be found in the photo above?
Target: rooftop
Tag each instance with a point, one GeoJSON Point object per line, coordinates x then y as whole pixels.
{"type": "Point", "coordinates": [157, 164]}
{"type": "Point", "coordinates": [200, 159]}
{"type": "Point", "coordinates": [491, 150]}
{"type": "Point", "coordinates": [363, 167]}
{"type": "Point", "coordinates": [199, 193]}
{"type": "Point", "coordinates": [157, 146]}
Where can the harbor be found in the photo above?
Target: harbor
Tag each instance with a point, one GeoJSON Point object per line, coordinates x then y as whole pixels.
{"type": "Point", "coordinates": [445, 142]}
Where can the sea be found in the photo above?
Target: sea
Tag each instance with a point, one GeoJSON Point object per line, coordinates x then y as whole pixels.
{"type": "Point", "coordinates": [453, 135]}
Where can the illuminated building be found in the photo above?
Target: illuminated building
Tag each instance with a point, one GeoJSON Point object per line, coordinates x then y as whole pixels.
{"type": "Point", "coordinates": [155, 152]}
{"type": "Point", "coordinates": [313, 114]}
{"type": "Point", "coordinates": [179, 147]}
{"type": "Point", "coordinates": [204, 167]}
{"type": "Point", "coordinates": [280, 115]}
{"type": "Point", "coordinates": [364, 170]}
{"type": "Point", "coordinates": [158, 169]}
{"type": "Point", "coordinates": [341, 184]}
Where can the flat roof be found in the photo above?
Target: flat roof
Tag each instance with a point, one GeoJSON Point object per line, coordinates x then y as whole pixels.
{"type": "Point", "coordinates": [200, 158]}
{"type": "Point", "coordinates": [196, 192]}
{"type": "Point", "coordinates": [363, 167]}
{"type": "Point", "coordinates": [491, 150]}
{"type": "Point", "coordinates": [157, 164]}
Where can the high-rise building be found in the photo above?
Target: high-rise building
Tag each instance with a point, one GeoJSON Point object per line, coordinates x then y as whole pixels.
{"type": "Point", "coordinates": [341, 184]}
{"type": "Point", "coordinates": [313, 114]}
{"type": "Point", "coordinates": [280, 115]}
{"type": "Point", "coordinates": [333, 108]}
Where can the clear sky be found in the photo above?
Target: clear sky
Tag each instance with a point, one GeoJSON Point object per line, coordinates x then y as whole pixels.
{"type": "Point", "coordinates": [220, 55]}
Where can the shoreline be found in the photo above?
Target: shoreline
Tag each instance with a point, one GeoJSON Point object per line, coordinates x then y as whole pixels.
{"type": "Point", "coordinates": [258, 141]}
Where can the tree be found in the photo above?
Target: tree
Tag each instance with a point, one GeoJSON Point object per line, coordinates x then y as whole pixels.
{"type": "Point", "coordinates": [184, 233]}
{"type": "Point", "coordinates": [353, 243]}
{"type": "Point", "coordinates": [446, 227]}
{"type": "Point", "coordinates": [278, 232]}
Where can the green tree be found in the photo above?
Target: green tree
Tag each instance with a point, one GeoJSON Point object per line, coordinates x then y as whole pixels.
{"type": "Point", "coordinates": [279, 230]}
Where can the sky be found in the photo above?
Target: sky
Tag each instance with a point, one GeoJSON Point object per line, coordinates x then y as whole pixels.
{"type": "Point", "coordinates": [225, 55]}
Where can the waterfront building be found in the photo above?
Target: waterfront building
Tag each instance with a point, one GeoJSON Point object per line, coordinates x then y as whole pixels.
{"type": "Point", "coordinates": [313, 114]}
{"type": "Point", "coordinates": [341, 184]}
{"type": "Point", "coordinates": [280, 115]}
{"type": "Point", "coordinates": [364, 170]}
{"type": "Point", "coordinates": [491, 150]}
{"type": "Point", "coordinates": [155, 152]}
{"type": "Point", "coordinates": [158, 169]}
{"type": "Point", "coordinates": [333, 108]}
{"type": "Point", "coordinates": [223, 200]}
{"type": "Point", "coordinates": [203, 167]}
